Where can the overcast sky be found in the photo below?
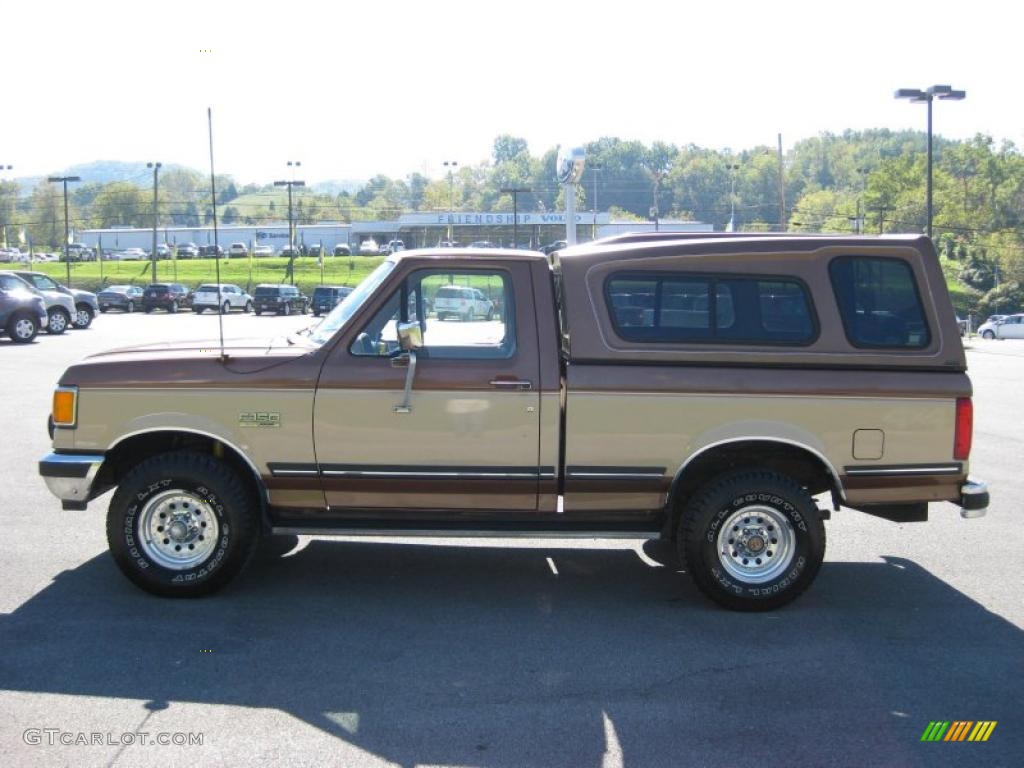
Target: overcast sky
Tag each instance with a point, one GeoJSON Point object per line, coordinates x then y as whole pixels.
{"type": "Point", "coordinates": [355, 88]}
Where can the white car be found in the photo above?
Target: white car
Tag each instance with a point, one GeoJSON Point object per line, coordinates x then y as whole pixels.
{"type": "Point", "coordinates": [129, 254]}
{"type": "Point", "coordinates": [369, 247]}
{"type": "Point", "coordinates": [237, 249]}
{"type": "Point", "coordinates": [987, 330]}
{"type": "Point", "coordinates": [1012, 327]}
{"type": "Point", "coordinates": [231, 297]}
{"type": "Point", "coordinates": [263, 250]}
{"type": "Point", "coordinates": [462, 302]}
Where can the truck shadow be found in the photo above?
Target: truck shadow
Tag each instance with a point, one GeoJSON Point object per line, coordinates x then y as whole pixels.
{"type": "Point", "coordinates": [486, 656]}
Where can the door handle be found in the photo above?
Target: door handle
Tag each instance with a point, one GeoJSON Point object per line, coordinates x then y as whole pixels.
{"type": "Point", "coordinates": [518, 384]}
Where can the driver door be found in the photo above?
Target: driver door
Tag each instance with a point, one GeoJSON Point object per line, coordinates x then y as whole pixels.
{"type": "Point", "coordinates": [467, 436]}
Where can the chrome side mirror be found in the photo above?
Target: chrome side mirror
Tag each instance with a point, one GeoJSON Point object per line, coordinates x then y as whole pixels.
{"type": "Point", "coordinates": [410, 336]}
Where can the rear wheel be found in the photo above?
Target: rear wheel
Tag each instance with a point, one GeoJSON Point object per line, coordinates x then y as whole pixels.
{"type": "Point", "coordinates": [248, 307]}
{"type": "Point", "coordinates": [197, 310]}
{"type": "Point", "coordinates": [182, 525]}
{"type": "Point", "coordinates": [22, 328]}
{"type": "Point", "coordinates": [58, 321]}
{"type": "Point", "coordinates": [173, 308]}
{"type": "Point", "coordinates": [287, 309]}
{"type": "Point", "coordinates": [225, 308]}
{"type": "Point", "coordinates": [84, 315]}
{"type": "Point", "coordinates": [752, 540]}
{"type": "Point", "coordinates": [131, 306]}
{"type": "Point", "coordinates": [259, 311]}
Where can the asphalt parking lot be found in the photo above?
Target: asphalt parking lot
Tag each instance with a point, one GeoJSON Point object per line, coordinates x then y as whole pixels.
{"type": "Point", "coordinates": [585, 654]}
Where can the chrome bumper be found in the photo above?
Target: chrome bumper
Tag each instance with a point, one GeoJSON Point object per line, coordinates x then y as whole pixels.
{"type": "Point", "coordinates": [973, 499]}
{"type": "Point", "coordinates": [69, 476]}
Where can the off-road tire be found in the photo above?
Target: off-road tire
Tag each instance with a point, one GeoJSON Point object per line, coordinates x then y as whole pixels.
{"type": "Point", "coordinates": [226, 497]}
{"type": "Point", "coordinates": [723, 498]}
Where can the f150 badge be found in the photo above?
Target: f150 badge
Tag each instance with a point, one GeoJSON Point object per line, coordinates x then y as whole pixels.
{"type": "Point", "coordinates": [259, 419]}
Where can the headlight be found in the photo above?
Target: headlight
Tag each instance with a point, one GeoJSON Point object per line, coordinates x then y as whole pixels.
{"type": "Point", "coordinates": [65, 406]}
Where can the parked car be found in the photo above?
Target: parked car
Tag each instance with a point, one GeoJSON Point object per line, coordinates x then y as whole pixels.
{"type": "Point", "coordinates": [1011, 327]}
{"type": "Point", "coordinates": [9, 255]}
{"type": "Point", "coordinates": [987, 330]}
{"type": "Point", "coordinates": [342, 250]}
{"type": "Point", "coordinates": [290, 251]}
{"type": "Point", "coordinates": [237, 250]}
{"type": "Point", "coordinates": [394, 246]}
{"type": "Point", "coordinates": [369, 247]}
{"type": "Point", "coordinates": [448, 244]}
{"type": "Point", "coordinates": [483, 244]}
{"type": "Point", "coordinates": [557, 245]}
{"type": "Point", "coordinates": [231, 297]}
{"type": "Point", "coordinates": [81, 252]}
{"type": "Point", "coordinates": [22, 310]}
{"type": "Point", "coordinates": [211, 251]}
{"type": "Point", "coordinates": [262, 251]}
{"type": "Point", "coordinates": [188, 251]}
{"type": "Point", "coordinates": [712, 424]}
{"type": "Point", "coordinates": [169, 296]}
{"type": "Point", "coordinates": [60, 307]}
{"type": "Point", "coordinates": [163, 251]}
{"type": "Point", "coordinates": [315, 250]}
{"type": "Point", "coordinates": [85, 303]}
{"type": "Point", "coordinates": [280, 299]}
{"type": "Point", "coordinates": [326, 297]}
{"type": "Point", "coordinates": [129, 254]}
{"type": "Point", "coordinates": [123, 297]}
{"type": "Point", "coordinates": [461, 302]}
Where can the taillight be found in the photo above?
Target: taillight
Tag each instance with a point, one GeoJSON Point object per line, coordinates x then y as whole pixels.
{"type": "Point", "coordinates": [964, 429]}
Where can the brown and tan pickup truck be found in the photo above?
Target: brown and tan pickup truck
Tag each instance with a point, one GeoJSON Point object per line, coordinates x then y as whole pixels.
{"type": "Point", "coordinates": [701, 389]}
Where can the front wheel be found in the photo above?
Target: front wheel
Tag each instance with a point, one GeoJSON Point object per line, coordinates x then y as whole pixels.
{"type": "Point", "coordinates": [131, 306]}
{"type": "Point", "coordinates": [287, 310]}
{"type": "Point", "coordinates": [83, 316]}
{"type": "Point", "coordinates": [22, 328]}
{"type": "Point", "coordinates": [173, 308]}
{"type": "Point", "coordinates": [182, 525]}
{"type": "Point", "coordinates": [752, 540]}
{"type": "Point", "coordinates": [988, 335]}
{"type": "Point", "coordinates": [58, 321]}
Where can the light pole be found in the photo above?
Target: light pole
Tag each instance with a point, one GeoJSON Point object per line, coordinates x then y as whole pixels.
{"type": "Point", "coordinates": [291, 227]}
{"type": "Point", "coordinates": [927, 96]}
{"type": "Point", "coordinates": [595, 167]}
{"type": "Point", "coordinates": [2, 169]}
{"type": "Point", "coordinates": [451, 165]}
{"type": "Point", "coordinates": [733, 167]}
{"type": "Point", "coordinates": [156, 169]}
{"type": "Point", "coordinates": [515, 192]}
{"type": "Point", "coordinates": [64, 180]}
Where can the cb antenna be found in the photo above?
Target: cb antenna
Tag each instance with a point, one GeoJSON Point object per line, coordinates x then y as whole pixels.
{"type": "Point", "coordinates": [216, 244]}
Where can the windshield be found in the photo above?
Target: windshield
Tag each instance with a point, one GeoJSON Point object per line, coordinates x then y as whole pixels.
{"type": "Point", "coordinates": [341, 313]}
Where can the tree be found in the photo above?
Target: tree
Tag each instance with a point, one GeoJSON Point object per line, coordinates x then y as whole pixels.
{"type": "Point", "coordinates": [508, 148]}
{"type": "Point", "coordinates": [122, 204]}
{"type": "Point", "coordinates": [46, 222]}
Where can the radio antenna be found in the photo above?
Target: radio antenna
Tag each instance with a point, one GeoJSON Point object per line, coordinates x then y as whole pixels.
{"type": "Point", "coordinates": [216, 244]}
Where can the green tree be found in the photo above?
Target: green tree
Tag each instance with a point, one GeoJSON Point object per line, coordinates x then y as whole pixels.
{"type": "Point", "coordinates": [122, 204]}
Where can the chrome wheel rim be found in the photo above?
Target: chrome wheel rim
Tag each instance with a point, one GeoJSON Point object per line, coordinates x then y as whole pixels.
{"type": "Point", "coordinates": [57, 322]}
{"type": "Point", "coordinates": [82, 318]}
{"type": "Point", "coordinates": [756, 544]}
{"type": "Point", "coordinates": [24, 328]}
{"type": "Point", "coordinates": [178, 530]}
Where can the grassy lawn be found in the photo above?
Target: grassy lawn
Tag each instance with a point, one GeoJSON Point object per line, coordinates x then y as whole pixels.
{"type": "Point", "coordinates": [243, 272]}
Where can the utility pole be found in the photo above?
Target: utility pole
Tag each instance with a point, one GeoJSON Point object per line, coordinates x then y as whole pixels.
{"type": "Point", "coordinates": [732, 167]}
{"type": "Point", "coordinates": [782, 190]}
{"type": "Point", "coordinates": [291, 226]}
{"type": "Point", "coordinates": [15, 206]}
{"type": "Point", "coordinates": [156, 170]}
{"type": "Point", "coordinates": [515, 192]}
{"type": "Point", "coordinates": [64, 180]}
{"type": "Point", "coordinates": [451, 165]}
{"type": "Point", "coordinates": [595, 168]}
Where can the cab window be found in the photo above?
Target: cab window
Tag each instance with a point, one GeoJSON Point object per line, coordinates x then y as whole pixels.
{"type": "Point", "coordinates": [464, 315]}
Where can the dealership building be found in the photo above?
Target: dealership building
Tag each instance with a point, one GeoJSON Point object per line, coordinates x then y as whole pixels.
{"type": "Point", "coordinates": [415, 230]}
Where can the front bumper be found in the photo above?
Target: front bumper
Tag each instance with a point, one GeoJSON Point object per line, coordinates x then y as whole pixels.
{"type": "Point", "coordinates": [973, 499]}
{"type": "Point", "coordinates": [70, 476]}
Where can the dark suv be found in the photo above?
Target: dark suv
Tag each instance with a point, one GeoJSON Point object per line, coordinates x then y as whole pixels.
{"type": "Point", "coordinates": [169, 296]}
{"type": "Point", "coordinates": [280, 299]}
{"type": "Point", "coordinates": [326, 297]}
{"type": "Point", "coordinates": [22, 310]}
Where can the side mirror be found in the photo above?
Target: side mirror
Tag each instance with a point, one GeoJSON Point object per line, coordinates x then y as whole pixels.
{"type": "Point", "coordinates": [410, 336]}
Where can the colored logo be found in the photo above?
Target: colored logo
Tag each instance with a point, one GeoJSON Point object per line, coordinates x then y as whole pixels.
{"type": "Point", "coordinates": [958, 730]}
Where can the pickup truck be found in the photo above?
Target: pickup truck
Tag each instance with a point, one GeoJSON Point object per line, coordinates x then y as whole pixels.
{"type": "Point", "coordinates": [725, 393]}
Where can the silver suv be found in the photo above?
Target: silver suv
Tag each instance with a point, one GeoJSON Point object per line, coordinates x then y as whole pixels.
{"type": "Point", "coordinates": [85, 304]}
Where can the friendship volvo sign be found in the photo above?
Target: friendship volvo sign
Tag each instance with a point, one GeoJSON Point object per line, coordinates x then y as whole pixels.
{"type": "Point", "coordinates": [479, 219]}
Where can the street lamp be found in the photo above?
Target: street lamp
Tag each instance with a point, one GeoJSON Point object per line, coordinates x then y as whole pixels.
{"type": "Point", "coordinates": [927, 96]}
{"type": "Point", "coordinates": [451, 165]}
{"type": "Point", "coordinates": [291, 227]}
{"type": "Point", "coordinates": [64, 180]}
{"type": "Point", "coordinates": [732, 167]}
{"type": "Point", "coordinates": [2, 169]}
{"type": "Point", "coordinates": [515, 192]}
{"type": "Point", "coordinates": [156, 169]}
